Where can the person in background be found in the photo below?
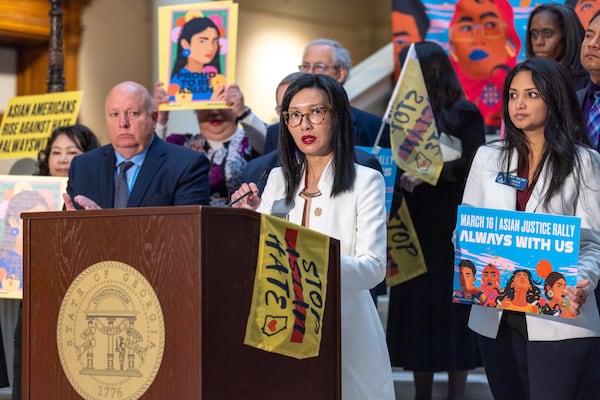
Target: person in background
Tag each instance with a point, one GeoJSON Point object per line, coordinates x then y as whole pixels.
{"type": "Point", "coordinates": [529, 356]}
{"type": "Point", "coordinates": [155, 173]}
{"type": "Point", "coordinates": [320, 186]}
{"type": "Point", "coordinates": [555, 32]}
{"type": "Point", "coordinates": [426, 332]}
{"type": "Point", "coordinates": [64, 143]}
{"type": "Point", "coordinates": [329, 57]}
{"type": "Point", "coordinates": [259, 168]}
{"type": "Point", "coordinates": [228, 146]}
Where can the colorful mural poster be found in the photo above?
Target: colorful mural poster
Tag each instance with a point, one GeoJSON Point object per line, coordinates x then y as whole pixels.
{"type": "Point", "coordinates": [197, 53]}
{"type": "Point", "coordinates": [29, 121]}
{"type": "Point", "coordinates": [22, 194]}
{"type": "Point", "coordinates": [484, 40]}
{"type": "Point", "coordinates": [515, 260]}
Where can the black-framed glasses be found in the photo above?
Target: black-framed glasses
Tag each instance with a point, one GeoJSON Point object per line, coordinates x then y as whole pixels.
{"type": "Point", "coordinates": [316, 116]}
{"type": "Point", "coordinates": [317, 68]}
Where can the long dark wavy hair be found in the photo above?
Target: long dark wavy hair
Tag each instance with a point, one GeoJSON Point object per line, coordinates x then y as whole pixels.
{"type": "Point", "coordinates": [533, 294]}
{"type": "Point", "coordinates": [563, 132]}
{"type": "Point", "coordinates": [192, 27]}
{"type": "Point", "coordinates": [293, 161]}
{"type": "Point", "coordinates": [84, 139]}
{"type": "Point", "coordinates": [441, 81]}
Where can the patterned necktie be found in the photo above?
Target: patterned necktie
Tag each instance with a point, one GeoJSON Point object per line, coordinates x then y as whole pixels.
{"type": "Point", "coordinates": [594, 120]}
{"type": "Point", "coordinates": [121, 187]}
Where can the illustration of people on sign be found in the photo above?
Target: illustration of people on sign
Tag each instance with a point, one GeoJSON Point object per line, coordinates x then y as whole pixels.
{"type": "Point", "coordinates": [466, 279]}
{"type": "Point", "coordinates": [197, 71]}
{"type": "Point", "coordinates": [585, 9]}
{"type": "Point", "coordinates": [11, 247]}
{"type": "Point", "coordinates": [521, 293]}
{"type": "Point", "coordinates": [483, 47]}
{"type": "Point", "coordinates": [554, 289]}
{"type": "Point", "coordinates": [490, 284]}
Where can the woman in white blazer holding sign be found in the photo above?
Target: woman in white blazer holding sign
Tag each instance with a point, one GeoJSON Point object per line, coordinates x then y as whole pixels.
{"type": "Point", "coordinates": [551, 169]}
{"type": "Point", "coordinates": [320, 186]}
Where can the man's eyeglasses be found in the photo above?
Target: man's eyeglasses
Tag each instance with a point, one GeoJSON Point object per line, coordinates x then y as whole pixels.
{"type": "Point", "coordinates": [317, 68]}
{"type": "Point", "coordinates": [316, 116]}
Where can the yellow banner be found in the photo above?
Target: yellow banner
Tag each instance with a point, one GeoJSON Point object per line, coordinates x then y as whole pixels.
{"type": "Point", "coordinates": [290, 287]}
{"type": "Point", "coordinates": [405, 258]}
{"type": "Point", "coordinates": [413, 134]}
{"type": "Point", "coordinates": [29, 120]}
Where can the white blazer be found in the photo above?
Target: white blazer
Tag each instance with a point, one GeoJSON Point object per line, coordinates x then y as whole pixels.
{"type": "Point", "coordinates": [358, 220]}
{"type": "Point", "coordinates": [483, 191]}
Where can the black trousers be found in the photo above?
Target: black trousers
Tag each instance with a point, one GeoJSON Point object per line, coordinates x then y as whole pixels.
{"type": "Point", "coordinates": [519, 369]}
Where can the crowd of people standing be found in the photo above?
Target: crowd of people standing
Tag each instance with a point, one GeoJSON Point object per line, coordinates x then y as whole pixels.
{"type": "Point", "coordinates": [306, 168]}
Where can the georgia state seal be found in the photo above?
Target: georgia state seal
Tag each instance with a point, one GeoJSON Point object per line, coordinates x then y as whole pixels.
{"type": "Point", "coordinates": [110, 333]}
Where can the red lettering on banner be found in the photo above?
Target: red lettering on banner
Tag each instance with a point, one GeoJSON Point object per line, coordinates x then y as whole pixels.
{"type": "Point", "coordinates": [300, 306]}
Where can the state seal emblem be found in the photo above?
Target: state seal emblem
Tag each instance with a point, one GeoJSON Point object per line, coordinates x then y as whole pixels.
{"type": "Point", "coordinates": [110, 332]}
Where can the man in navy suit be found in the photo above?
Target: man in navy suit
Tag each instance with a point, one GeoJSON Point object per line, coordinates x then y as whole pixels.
{"type": "Point", "coordinates": [162, 174]}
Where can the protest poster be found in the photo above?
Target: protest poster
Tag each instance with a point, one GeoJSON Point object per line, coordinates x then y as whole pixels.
{"type": "Point", "coordinates": [515, 260]}
{"type": "Point", "coordinates": [384, 156]}
{"type": "Point", "coordinates": [413, 133]}
{"type": "Point", "coordinates": [290, 289]}
{"type": "Point", "coordinates": [197, 53]}
{"type": "Point", "coordinates": [22, 194]}
{"type": "Point", "coordinates": [29, 121]}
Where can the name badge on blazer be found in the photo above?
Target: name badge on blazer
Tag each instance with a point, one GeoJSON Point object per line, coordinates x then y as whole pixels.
{"type": "Point", "coordinates": [511, 180]}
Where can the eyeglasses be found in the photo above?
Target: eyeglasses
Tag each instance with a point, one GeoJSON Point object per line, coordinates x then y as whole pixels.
{"type": "Point", "coordinates": [465, 31]}
{"type": "Point", "coordinates": [317, 68]}
{"type": "Point", "coordinates": [316, 116]}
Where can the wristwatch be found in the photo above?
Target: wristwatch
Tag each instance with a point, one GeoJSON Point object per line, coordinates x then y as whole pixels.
{"type": "Point", "coordinates": [246, 112]}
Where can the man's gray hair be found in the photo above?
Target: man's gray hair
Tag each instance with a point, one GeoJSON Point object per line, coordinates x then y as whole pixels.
{"type": "Point", "coordinates": [341, 55]}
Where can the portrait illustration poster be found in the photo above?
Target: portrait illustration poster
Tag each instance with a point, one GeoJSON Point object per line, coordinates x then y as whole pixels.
{"type": "Point", "coordinates": [197, 53]}
{"type": "Point", "coordinates": [22, 194]}
{"type": "Point", "coordinates": [483, 39]}
{"type": "Point", "coordinates": [515, 260]}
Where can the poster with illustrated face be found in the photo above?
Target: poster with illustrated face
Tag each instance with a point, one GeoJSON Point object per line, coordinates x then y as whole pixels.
{"type": "Point", "coordinates": [22, 194]}
{"type": "Point", "coordinates": [196, 56]}
{"type": "Point", "coordinates": [484, 39]}
{"type": "Point", "coordinates": [516, 260]}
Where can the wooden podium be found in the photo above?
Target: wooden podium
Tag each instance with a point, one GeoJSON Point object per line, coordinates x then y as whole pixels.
{"type": "Point", "coordinates": [201, 262]}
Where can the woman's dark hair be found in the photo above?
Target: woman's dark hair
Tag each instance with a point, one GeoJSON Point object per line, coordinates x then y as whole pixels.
{"type": "Point", "coordinates": [192, 27]}
{"type": "Point", "coordinates": [533, 293]}
{"type": "Point", "coordinates": [563, 132]}
{"type": "Point", "coordinates": [441, 81]}
{"type": "Point", "coordinates": [84, 139]}
{"type": "Point", "coordinates": [551, 279]}
{"type": "Point", "coordinates": [293, 161]}
{"type": "Point", "coordinates": [572, 35]}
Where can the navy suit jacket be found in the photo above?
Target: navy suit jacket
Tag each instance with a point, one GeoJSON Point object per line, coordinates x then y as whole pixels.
{"type": "Point", "coordinates": [170, 175]}
{"type": "Point", "coordinates": [366, 128]}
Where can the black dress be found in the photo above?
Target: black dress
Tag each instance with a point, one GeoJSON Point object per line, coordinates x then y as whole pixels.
{"type": "Point", "coordinates": [426, 331]}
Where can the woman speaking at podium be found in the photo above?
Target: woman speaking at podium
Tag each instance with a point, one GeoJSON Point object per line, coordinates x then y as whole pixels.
{"type": "Point", "coordinates": [319, 186]}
